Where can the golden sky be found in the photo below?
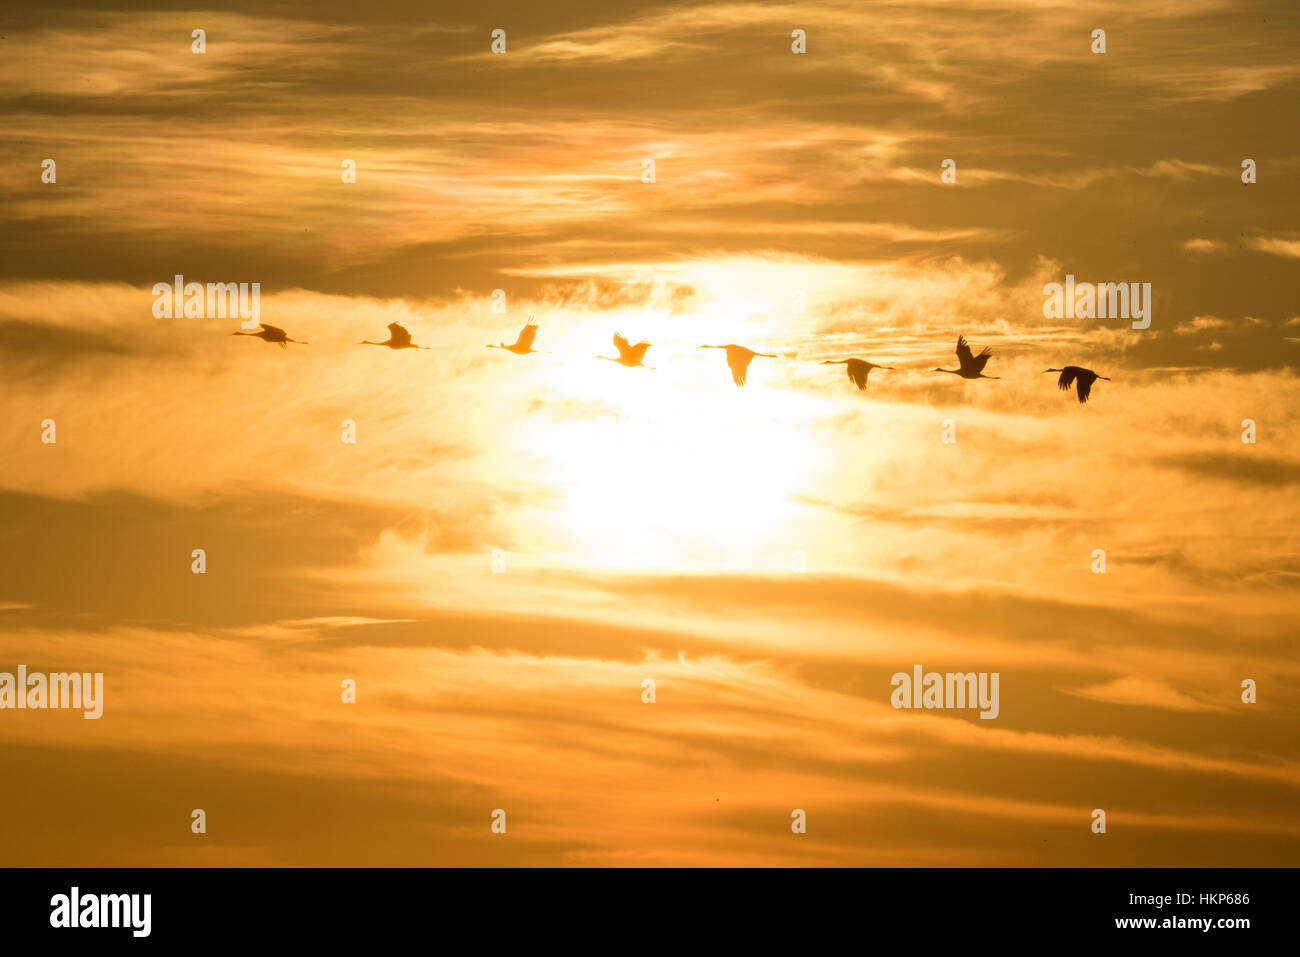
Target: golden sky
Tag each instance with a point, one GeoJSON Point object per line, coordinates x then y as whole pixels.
{"type": "Point", "coordinates": [768, 556]}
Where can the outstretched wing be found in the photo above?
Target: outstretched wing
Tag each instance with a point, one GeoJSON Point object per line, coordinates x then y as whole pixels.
{"type": "Point", "coordinates": [739, 358]}
{"type": "Point", "coordinates": [858, 372]}
{"type": "Point", "coordinates": [622, 345]}
{"type": "Point", "coordinates": [963, 352]}
{"type": "Point", "coordinates": [526, 336]}
{"type": "Point", "coordinates": [634, 353]}
{"type": "Point", "coordinates": [399, 334]}
{"type": "Point", "coordinates": [275, 331]}
{"type": "Point", "coordinates": [1086, 379]}
{"type": "Point", "coordinates": [973, 364]}
{"type": "Point", "coordinates": [1067, 378]}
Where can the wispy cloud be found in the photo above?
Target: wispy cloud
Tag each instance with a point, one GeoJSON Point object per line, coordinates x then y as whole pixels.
{"type": "Point", "coordinates": [1143, 692]}
{"type": "Point", "coordinates": [1287, 248]}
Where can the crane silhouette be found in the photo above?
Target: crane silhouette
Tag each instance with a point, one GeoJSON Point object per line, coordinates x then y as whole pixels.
{"type": "Point", "coordinates": [739, 358]}
{"type": "Point", "coordinates": [972, 366]}
{"type": "Point", "coordinates": [524, 344]}
{"type": "Point", "coordinates": [1070, 375]}
{"type": "Point", "coordinates": [628, 355]}
{"type": "Point", "coordinates": [271, 334]}
{"type": "Point", "coordinates": [858, 370]}
{"type": "Point", "coordinates": [398, 338]}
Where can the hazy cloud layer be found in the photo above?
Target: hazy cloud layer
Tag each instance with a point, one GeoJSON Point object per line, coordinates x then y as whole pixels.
{"type": "Point", "coordinates": [771, 556]}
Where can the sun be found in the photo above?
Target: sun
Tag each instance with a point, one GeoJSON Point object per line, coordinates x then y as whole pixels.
{"type": "Point", "coordinates": [672, 478]}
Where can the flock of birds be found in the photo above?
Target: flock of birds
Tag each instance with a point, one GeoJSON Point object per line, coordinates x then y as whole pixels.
{"type": "Point", "coordinates": [969, 365]}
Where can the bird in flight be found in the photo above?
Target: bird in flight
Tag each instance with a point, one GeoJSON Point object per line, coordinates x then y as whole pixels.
{"type": "Point", "coordinates": [1077, 374]}
{"type": "Point", "coordinates": [628, 355]}
{"type": "Point", "coordinates": [972, 366]}
{"type": "Point", "coordinates": [271, 334]}
{"type": "Point", "coordinates": [524, 344]}
{"type": "Point", "coordinates": [858, 370]}
{"type": "Point", "coordinates": [398, 338]}
{"type": "Point", "coordinates": [738, 358]}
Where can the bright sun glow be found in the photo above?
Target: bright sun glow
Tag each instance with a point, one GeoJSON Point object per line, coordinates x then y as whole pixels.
{"type": "Point", "coordinates": [676, 473]}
